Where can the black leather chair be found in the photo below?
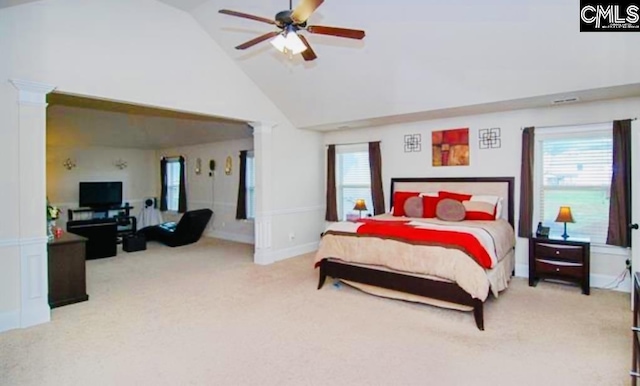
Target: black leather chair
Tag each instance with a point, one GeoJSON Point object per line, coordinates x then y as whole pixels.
{"type": "Point", "coordinates": [187, 231]}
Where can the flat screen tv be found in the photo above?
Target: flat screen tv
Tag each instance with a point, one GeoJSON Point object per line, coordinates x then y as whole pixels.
{"type": "Point", "coordinates": [100, 194]}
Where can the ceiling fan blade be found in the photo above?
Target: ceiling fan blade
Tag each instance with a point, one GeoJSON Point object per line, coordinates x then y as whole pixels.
{"type": "Point", "coordinates": [308, 54]}
{"type": "Point", "coordinates": [304, 10]}
{"type": "Point", "coordinates": [257, 40]}
{"type": "Point", "coordinates": [335, 31]}
{"type": "Point", "coordinates": [247, 16]}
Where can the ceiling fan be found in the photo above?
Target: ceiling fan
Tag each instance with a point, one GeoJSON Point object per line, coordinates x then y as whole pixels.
{"type": "Point", "coordinates": [289, 22]}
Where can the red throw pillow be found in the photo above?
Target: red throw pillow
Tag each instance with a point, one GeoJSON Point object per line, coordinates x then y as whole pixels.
{"type": "Point", "coordinates": [455, 196]}
{"type": "Point", "coordinates": [479, 216]}
{"type": "Point", "coordinates": [479, 211]}
{"type": "Point", "coordinates": [429, 204]}
{"type": "Point", "coordinates": [398, 201]}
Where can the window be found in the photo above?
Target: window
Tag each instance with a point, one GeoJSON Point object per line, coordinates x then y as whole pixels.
{"type": "Point", "coordinates": [574, 169]}
{"type": "Point", "coordinates": [173, 184]}
{"type": "Point", "coordinates": [353, 178]}
{"type": "Point", "coordinates": [251, 185]}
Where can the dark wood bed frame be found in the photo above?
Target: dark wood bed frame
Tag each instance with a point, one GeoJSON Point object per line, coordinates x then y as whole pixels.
{"type": "Point", "coordinates": [440, 290]}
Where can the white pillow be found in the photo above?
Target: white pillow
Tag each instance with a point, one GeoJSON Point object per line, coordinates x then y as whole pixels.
{"type": "Point", "coordinates": [493, 200]}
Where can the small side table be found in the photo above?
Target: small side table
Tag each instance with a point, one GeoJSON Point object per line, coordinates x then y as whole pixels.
{"type": "Point", "coordinates": [560, 259]}
{"type": "Point", "coordinates": [67, 270]}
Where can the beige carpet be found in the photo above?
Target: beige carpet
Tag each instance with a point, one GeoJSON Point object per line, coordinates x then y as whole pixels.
{"type": "Point", "coordinates": [205, 315]}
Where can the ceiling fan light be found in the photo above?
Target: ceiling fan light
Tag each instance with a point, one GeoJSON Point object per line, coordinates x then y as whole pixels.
{"type": "Point", "coordinates": [280, 43]}
{"type": "Point", "coordinates": [294, 43]}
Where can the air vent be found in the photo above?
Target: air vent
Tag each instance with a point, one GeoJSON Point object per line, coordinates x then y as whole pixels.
{"type": "Point", "coordinates": [565, 101]}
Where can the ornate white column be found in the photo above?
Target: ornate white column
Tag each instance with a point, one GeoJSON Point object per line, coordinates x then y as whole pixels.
{"type": "Point", "coordinates": [262, 150]}
{"type": "Point", "coordinates": [34, 303]}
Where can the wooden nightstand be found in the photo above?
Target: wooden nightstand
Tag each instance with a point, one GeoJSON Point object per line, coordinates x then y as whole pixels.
{"type": "Point", "coordinates": [559, 259]}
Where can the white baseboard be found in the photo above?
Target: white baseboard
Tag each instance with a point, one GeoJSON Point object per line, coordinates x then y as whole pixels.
{"type": "Point", "coordinates": [595, 280]}
{"type": "Point", "coordinates": [262, 257]}
{"type": "Point", "coordinates": [522, 270]}
{"type": "Point", "coordinates": [35, 315]}
{"type": "Point", "coordinates": [286, 253]}
{"type": "Point", "coordinates": [240, 238]}
{"type": "Point", "coordinates": [9, 320]}
{"type": "Point", "coordinates": [606, 281]}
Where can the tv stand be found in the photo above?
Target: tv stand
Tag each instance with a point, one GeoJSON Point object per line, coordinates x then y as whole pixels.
{"type": "Point", "coordinates": [126, 223]}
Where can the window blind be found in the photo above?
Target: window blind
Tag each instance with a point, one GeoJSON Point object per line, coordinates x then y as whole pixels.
{"type": "Point", "coordinates": [353, 178]}
{"type": "Point", "coordinates": [173, 185]}
{"type": "Point", "coordinates": [576, 172]}
{"type": "Point", "coordinates": [250, 185]}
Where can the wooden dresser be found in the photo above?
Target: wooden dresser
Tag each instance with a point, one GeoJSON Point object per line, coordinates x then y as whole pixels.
{"type": "Point", "coordinates": [560, 259]}
{"type": "Point", "coordinates": [67, 270]}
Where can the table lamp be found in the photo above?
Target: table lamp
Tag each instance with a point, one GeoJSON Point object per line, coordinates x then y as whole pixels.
{"type": "Point", "coordinates": [564, 215]}
{"type": "Point", "coordinates": [360, 206]}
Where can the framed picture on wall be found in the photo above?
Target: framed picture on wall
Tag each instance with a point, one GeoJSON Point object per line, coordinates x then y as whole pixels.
{"type": "Point", "coordinates": [450, 147]}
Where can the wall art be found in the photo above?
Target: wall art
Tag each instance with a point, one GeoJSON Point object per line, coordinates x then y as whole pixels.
{"type": "Point", "coordinates": [450, 147]}
{"type": "Point", "coordinates": [412, 143]}
{"type": "Point", "coordinates": [489, 138]}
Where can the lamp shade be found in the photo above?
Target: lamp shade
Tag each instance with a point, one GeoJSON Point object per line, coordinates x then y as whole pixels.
{"type": "Point", "coordinates": [279, 42]}
{"type": "Point", "coordinates": [289, 41]}
{"type": "Point", "coordinates": [564, 215]}
{"type": "Point", "coordinates": [360, 205]}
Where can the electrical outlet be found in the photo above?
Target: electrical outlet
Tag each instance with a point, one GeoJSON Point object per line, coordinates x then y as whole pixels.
{"type": "Point", "coordinates": [292, 236]}
{"type": "Point", "coordinates": [628, 265]}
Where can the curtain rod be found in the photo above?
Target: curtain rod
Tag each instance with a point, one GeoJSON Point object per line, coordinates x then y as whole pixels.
{"type": "Point", "coordinates": [350, 143]}
{"type": "Point", "coordinates": [581, 124]}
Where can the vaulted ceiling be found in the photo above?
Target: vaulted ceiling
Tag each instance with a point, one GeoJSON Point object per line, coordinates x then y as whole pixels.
{"type": "Point", "coordinates": [425, 59]}
{"type": "Point", "coordinates": [422, 57]}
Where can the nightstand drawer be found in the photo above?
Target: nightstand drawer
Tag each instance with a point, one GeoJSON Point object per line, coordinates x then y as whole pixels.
{"type": "Point", "coordinates": [559, 268]}
{"type": "Point", "coordinates": [568, 252]}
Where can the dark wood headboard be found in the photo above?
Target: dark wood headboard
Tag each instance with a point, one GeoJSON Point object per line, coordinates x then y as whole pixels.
{"type": "Point", "coordinates": [498, 186]}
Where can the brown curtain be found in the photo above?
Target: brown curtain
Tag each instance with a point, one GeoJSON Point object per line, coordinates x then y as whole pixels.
{"type": "Point", "coordinates": [163, 184]}
{"type": "Point", "coordinates": [182, 193]}
{"type": "Point", "coordinates": [526, 183]}
{"type": "Point", "coordinates": [619, 232]}
{"type": "Point", "coordinates": [375, 165]}
{"type": "Point", "coordinates": [241, 208]}
{"type": "Point", "coordinates": [331, 213]}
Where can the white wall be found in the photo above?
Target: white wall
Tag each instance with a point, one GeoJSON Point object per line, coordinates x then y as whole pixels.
{"type": "Point", "coordinates": [606, 264]}
{"type": "Point", "coordinates": [143, 52]}
{"type": "Point", "coordinates": [139, 178]}
{"type": "Point", "coordinates": [218, 192]}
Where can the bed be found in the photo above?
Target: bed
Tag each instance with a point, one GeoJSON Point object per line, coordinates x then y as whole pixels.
{"type": "Point", "coordinates": [438, 270]}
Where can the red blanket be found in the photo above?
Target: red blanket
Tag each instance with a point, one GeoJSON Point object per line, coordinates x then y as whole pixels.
{"type": "Point", "coordinates": [402, 231]}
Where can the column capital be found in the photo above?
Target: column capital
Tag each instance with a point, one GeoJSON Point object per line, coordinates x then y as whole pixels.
{"type": "Point", "coordinates": [32, 93]}
{"type": "Point", "coordinates": [262, 127]}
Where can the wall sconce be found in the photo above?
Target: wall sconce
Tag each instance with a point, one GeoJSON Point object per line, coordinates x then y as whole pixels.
{"type": "Point", "coordinates": [121, 164]}
{"type": "Point", "coordinates": [69, 164]}
{"type": "Point", "coordinates": [227, 166]}
{"type": "Point", "coordinates": [198, 168]}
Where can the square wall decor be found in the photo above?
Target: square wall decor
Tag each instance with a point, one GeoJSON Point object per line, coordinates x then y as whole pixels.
{"type": "Point", "coordinates": [450, 147]}
{"type": "Point", "coordinates": [489, 138]}
{"type": "Point", "coordinates": [412, 143]}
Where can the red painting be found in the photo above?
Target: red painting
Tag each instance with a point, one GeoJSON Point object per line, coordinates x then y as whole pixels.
{"type": "Point", "coordinates": [450, 147]}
